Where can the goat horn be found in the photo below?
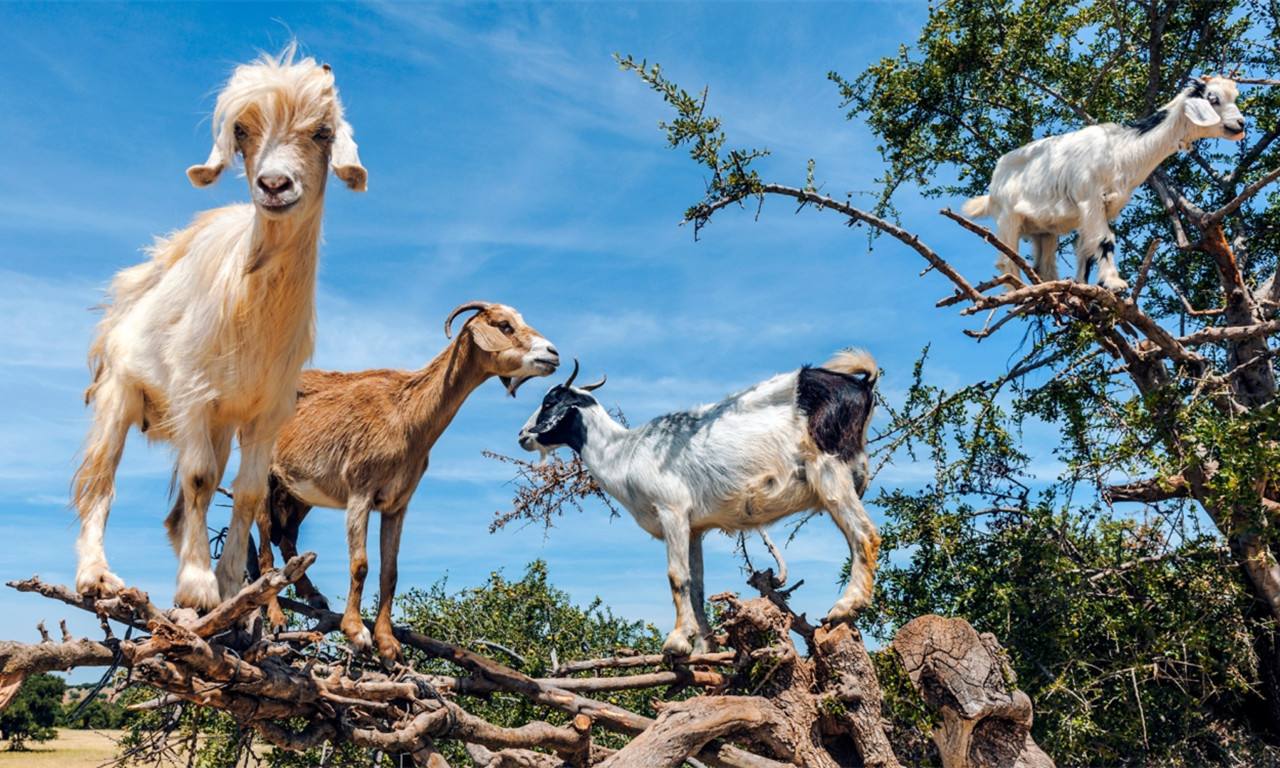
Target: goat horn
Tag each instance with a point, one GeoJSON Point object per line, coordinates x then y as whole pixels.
{"type": "Point", "coordinates": [573, 375]}
{"type": "Point", "coordinates": [597, 385]}
{"type": "Point", "coordinates": [476, 305]}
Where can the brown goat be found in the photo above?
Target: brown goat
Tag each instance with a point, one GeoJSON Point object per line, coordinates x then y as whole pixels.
{"type": "Point", "coordinates": [361, 441]}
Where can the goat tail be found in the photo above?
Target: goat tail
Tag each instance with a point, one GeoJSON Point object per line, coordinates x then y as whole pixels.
{"type": "Point", "coordinates": [854, 361]}
{"type": "Point", "coordinates": [977, 207]}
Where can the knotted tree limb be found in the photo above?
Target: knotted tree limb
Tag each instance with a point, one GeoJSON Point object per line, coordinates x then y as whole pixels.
{"type": "Point", "coordinates": [986, 723]}
{"type": "Point", "coordinates": [770, 706]}
{"type": "Point", "coordinates": [265, 681]}
{"type": "Point", "coordinates": [850, 679]}
{"type": "Point", "coordinates": [1150, 490]}
{"type": "Point", "coordinates": [639, 660]}
{"type": "Point", "coordinates": [684, 728]}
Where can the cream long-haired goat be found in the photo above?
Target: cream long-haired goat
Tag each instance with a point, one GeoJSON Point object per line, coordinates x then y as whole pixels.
{"type": "Point", "coordinates": [206, 339]}
{"type": "Point", "coordinates": [1080, 181]}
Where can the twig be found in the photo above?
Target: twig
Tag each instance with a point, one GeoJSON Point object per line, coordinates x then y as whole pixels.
{"type": "Point", "coordinates": [1141, 281]}
{"type": "Point", "coordinates": [779, 580]}
{"type": "Point", "coordinates": [1239, 200]}
{"type": "Point", "coordinates": [647, 660]}
{"type": "Point", "coordinates": [994, 241]}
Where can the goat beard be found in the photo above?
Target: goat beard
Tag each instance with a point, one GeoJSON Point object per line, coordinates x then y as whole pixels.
{"type": "Point", "coordinates": [511, 384]}
{"type": "Point", "coordinates": [543, 453]}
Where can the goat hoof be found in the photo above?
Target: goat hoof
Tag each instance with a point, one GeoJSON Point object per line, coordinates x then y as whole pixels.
{"type": "Point", "coordinates": [846, 610]}
{"type": "Point", "coordinates": [197, 588]}
{"type": "Point", "coordinates": [361, 640]}
{"type": "Point", "coordinates": [98, 582]}
{"type": "Point", "coordinates": [388, 647]}
{"type": "Point", "coordinates": [677, 644]}
{"type": "Point", "coordinates": [1115, 286]}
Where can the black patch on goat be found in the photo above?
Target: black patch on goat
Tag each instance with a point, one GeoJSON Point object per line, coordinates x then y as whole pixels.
{"type": "Point", "coordinates": [569, 430]}
{"type": "Point", "coordinates": [838, 406]}
{"type": "Point", "coordinates": [1149, 122]}
{"type": "Point", "coordinates": [559, 420]}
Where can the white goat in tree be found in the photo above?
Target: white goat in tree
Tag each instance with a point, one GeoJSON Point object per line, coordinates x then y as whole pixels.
{"type": "Point", "coordinates": [1080, 181]}
{"type": "Point", "coordinates": [792, 443]}
{"type": "Point", "coordinates": [206, 339]}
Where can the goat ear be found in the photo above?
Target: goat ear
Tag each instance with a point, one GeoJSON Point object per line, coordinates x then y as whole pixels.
{"type": "Point", "coordinates": [223, 152]}
{"type": "Point", "coordinates": [488, 338]}
{"type": "Point", "coordinates": [345, 159]}
{"type": "Point", "coordinates": [1200, 112]}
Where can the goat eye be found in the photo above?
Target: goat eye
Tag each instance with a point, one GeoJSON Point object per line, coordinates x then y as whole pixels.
{"type": "Point", "coordinates": [1213, 100]}
{"type": "Point", "coordinates": [323, 133]}
{"type": "Point", "coordinates": [506, 328]}
{"type": "Point", "coordinates": [241, 133]}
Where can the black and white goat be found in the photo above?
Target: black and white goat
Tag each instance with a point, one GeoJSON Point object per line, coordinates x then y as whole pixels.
{"type": "Point", "coordinates": [1080, 181]}
{"type": "Point", "coordinates": [793, 443]}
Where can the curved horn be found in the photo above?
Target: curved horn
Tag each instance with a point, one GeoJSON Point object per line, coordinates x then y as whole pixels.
{"type": "Point", "coordinates": [476, 305]}
{"type": "Point", "coordinates": [573, 375]}
{"type": "Point", "coordinates": [597, 385]}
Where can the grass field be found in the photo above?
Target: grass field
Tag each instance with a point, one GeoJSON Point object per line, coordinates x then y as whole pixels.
{"type": "Point", "coordinates": [72, 749]}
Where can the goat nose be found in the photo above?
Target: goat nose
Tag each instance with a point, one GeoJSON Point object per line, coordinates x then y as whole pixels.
{"type": "Point", "coordinates": [274, 183]}
{"type": "Point", "coordinates": [553, 351]}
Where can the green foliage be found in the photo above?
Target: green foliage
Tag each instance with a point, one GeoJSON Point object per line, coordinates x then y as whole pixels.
{"type": "Point", "coordinates": [33, 712]}
{"type": "Point", "coordinates": [1132, 628]}
{"type": "Point", "coordinates": [732, 176]}
{"type": "Point", "coordinates": [522, 622]}
{"type": "Point", "coordinates": [99, 713]}
{"type": "Point", "coordinates": [987, 77]}
{"type": "Point", "coordinates": [903, 706]}
{"type": "Point", "coordinates": [1130, 633]}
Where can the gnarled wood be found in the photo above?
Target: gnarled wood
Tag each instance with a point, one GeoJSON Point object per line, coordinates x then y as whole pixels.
{"type": "Point", "coordinates": [986, 723]}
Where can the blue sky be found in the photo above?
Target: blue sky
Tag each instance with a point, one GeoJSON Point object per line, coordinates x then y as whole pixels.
{"type": "Point", "coordinates": [509, 160]}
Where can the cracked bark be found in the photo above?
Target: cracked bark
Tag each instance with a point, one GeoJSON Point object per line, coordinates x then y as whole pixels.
{"type": "Point", "coordinates": [986, 722]}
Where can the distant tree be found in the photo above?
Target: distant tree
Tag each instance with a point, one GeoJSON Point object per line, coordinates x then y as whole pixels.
{"type": "Point", "coordinates": [99, 713]}
{"type": "Point", "coordinates": [33, 712]}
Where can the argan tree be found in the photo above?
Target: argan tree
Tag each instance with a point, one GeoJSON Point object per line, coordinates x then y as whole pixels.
{"type": "Point", "coordinates": [1139, 593]}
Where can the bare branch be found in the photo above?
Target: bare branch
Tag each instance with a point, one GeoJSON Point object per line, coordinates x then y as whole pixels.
{"type": "Point", "coordinates": [1150, 490]}
{"type": "Point", "coordinates": [1239, 200]}
{"type": "Point", "coordinates": [630, 662]}
{"type": "Point", "coordinates": [990, 237]}
{"type": "Point", "coordinates": [1230, 333]}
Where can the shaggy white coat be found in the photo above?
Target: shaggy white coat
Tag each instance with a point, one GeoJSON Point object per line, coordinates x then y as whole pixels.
{"type": "Point", "coordinates": [205, 340]}
{"type": "Point", "coordinates": [1080, 181]}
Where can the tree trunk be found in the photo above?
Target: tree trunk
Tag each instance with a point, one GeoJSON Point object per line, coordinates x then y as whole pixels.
{"type": "Point", "coordinates": [986, 723]}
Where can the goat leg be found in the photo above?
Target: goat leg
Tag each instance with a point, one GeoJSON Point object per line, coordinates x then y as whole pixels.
{"type": "Point", "coordinates": [304, 588]}
{"type": "Point", "coordinates": [275, 616]}
{"type": "Point", "coordinates": [675, 531]}
{"type": "Point", "coordinates": [389, 541]}
{"type": "Point", "coordinates": [358, 508]}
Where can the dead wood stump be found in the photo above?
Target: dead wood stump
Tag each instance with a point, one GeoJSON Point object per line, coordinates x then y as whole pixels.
{"type": "Point", "coordinates": [986, 721]}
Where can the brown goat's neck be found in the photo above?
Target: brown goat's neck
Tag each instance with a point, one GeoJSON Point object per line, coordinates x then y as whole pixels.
{"type": "Point", "coordinates": [434, 393]}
